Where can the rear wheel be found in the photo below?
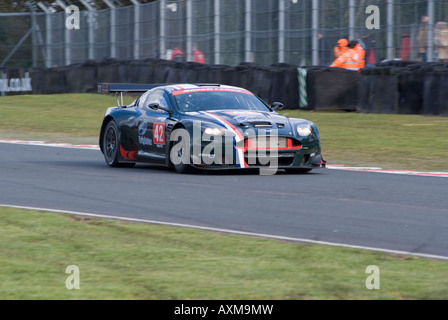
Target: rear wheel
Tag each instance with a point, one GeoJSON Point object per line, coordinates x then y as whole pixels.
{"type": "Point", "coordinates": [111, 146]}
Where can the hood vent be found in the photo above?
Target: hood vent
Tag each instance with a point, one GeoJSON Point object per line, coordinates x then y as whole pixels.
{"type": "Point", "coordinates": [261, 124]}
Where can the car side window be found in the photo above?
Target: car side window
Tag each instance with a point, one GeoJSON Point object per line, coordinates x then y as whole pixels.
{"type": "Point", "coordinates": [141, 102]}
{"type": "Point", "coordinates": [160, 97]}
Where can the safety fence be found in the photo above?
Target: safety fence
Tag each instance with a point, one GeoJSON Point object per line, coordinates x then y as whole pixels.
{"type": "Point", "coordinates": [395, 87]}
{"type": "Point", "coordinates": [226, 31]}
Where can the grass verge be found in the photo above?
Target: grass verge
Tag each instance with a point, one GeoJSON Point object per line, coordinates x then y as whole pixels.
{"type": "Point", "coordinates": [121, 260]}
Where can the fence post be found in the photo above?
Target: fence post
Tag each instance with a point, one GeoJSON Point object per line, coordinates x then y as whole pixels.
{"type": "Point", "coordinates": [162, 29]}
{"type": "Point", "coordinates": [351, 19]}
{"type": "Point", "coordinates": [248, 29]}
{"type": "Point", "coordinates": [113, 29]}
{"type": "Point", "coordinates": [189, 30]}
{"type": "Point", "coordinates": [315, 26]}
{"type": "Point", "coordinates": [136, 29]}
{"type": "Point", "coordinates": [431, 23]}
{"type": "Point", "coordinates": [48, 28]}
{"type": "Point", "coordinates": [390, 30]}
{"type": "Point", "coordinates": [217, 20]}
{"type": "Point", "coordinates": [281, 31]}
{"type": "Point", "coordinates": [91, 35]}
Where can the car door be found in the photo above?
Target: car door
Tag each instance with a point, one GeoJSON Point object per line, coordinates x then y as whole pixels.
{"type": "Point", "coordinates": [152, 126]}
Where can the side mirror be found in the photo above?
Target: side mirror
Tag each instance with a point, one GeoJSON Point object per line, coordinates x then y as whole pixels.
{"type": "Point", "coordinates": [277, 105]}
{"type": "Point", "coordinates": [156, 106]}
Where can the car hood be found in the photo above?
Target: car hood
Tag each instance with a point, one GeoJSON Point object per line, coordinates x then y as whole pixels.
{"type": "Point", "coordinates": [246, 119]}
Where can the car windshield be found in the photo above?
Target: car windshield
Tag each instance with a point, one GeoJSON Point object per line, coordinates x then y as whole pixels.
{"type": "Point", "coordinates": [217, 99]}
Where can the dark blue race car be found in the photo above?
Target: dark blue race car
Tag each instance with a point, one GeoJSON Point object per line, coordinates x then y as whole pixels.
{"type": "Point", "coordinates": [205, 126]}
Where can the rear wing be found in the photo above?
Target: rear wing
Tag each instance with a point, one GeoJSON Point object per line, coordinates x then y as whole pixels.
{"type": "Point", "coordinates": [123, 88]}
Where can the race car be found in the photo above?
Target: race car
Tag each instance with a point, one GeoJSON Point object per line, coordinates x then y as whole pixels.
{"type": "Point", "coordinates": [205, 126]}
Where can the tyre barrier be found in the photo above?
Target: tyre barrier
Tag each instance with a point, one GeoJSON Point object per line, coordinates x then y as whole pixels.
{"type": "Point", "coordinates": [404, 87]}
{"type": "Point", "coordinates": [274, 83]}
{"type": "Point", "coordinates": [395, 86]}
{"type": "Point", "coordinates": [332, 88]}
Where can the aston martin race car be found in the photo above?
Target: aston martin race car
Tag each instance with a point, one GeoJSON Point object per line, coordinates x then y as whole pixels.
{"type": "Point", "coordinates": [205, 126]}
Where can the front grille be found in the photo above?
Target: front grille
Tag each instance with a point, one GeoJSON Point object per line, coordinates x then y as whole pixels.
{"type": "Point", "coordinates": [283, 160]}
{"type": "Point", "coordinates": [267, 142]}
{"type": "Point", "coordinates": [270, 143]}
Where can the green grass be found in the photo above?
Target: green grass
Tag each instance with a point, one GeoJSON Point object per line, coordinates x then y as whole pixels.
{"type": "Point", "coordinates": [390, 141]}
{"type": "Point", "coordinates": [120, 260]}
{"type": "Point", "coordinates": [54, 118]}
{"type": "Point", "coordinates": [411, 142]}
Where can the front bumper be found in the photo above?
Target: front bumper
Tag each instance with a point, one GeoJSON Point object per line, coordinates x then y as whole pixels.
{"type": "Point", "coordinates": [293, 154]}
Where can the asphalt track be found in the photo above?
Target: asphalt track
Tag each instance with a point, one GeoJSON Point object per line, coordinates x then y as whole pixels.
{"type": "Point", "coordinates": [389, 212]}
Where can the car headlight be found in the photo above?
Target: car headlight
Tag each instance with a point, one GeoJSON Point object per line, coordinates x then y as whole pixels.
{"type": "Point", "coordinates": [304, 129]}
{"type": "Point", "coordinates": [215, 131]}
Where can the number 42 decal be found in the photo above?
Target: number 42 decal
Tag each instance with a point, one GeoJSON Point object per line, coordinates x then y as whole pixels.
{"type": "Point", "coordinates": [159, 133]}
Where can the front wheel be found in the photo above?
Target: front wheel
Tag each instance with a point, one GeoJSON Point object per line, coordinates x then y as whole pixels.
{"type": "Point", "coordinates": [180, 151]}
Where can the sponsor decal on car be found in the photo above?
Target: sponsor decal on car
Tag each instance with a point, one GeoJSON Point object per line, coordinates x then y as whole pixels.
{"type": "Point", "coordinates": [144, 141]}
{"type": "Point", "coordinates": [159, 133]}
{"type": "Point", "coordinates": [142, 128]}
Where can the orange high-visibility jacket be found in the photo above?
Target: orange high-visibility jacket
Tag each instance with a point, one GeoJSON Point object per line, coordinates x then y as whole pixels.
{"type": "Point", "coordinates": [340, 47]}
{"type": "Point", "coordinates": [348, 60]}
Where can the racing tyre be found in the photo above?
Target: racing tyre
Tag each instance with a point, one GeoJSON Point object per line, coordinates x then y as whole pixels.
{"type": "Point", "coordinates": [177, 152]}
{"type": "Point", "coordinates": [111, 146]}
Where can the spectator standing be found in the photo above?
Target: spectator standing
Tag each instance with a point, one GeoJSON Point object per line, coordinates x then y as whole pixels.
{"type": "Point", "coordinates": [349, 59]}
{"type": "Point", "coordinates": [324, 50]}
{"type": "Point", "coordinates": [178, 55]}
{"type": "Point", "coordinates": [422, 38]}
{"type": "Point", "coordinates": [340, 47]}
{"type": "Point", "coordinates": [198, 55]}
{"type": "Point", "coordinates": [441, 41]}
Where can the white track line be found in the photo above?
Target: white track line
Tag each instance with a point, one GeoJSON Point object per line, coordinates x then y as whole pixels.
{"type": "Point", "coordinates": [229, 231]}
{"type": "Point", "coordinates": [49, 144]}
{"type": "Point", "coordinates": [329, 166]}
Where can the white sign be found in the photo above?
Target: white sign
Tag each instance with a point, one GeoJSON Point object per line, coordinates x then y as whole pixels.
{"type": "Point", "coordinates": [15, 84]}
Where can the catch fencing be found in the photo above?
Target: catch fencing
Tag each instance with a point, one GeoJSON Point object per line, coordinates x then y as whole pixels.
{"type": "Point", "coordinates": [229, 32]}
